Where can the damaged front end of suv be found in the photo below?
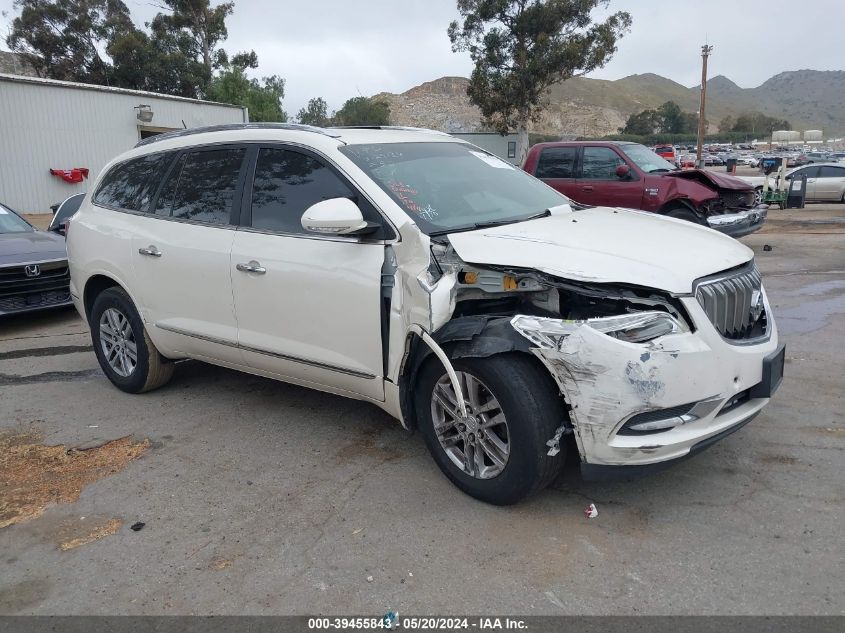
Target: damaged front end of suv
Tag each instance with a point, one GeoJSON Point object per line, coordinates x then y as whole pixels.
{"type": "Point", "coordinates": [648, 375]}
{"type": "Point", "coordinates": [641, 338]}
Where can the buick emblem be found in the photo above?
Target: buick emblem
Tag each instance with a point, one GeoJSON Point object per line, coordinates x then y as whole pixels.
{"type": "Point", "coordinates": [33, 270]}
{"type": "Point", "coordinates": [756, 305]}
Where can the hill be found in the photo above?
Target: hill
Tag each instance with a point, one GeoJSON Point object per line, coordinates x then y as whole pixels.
{"type": "Point", "coordinates": [809, 99]}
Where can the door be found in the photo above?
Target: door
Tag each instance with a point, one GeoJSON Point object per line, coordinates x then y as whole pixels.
{"type": "Point", "coordinates": [811, 173]}
{"type": "Point", "coordinates": [308, 306]}
{"type": "Point", "coordinates": [830, 183]}
{"type": "Point", "coordinates": [556, 167]}
{"type": "Point", "coordinates": [181, 255]}
{"type": "Point", "coordinates": [598, 184]}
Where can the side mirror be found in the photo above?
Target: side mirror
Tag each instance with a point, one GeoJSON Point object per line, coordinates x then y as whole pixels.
{"type": "Point", "coordinates": [623, 172]}
{"type": "Point", "coordinates": [336, 216]}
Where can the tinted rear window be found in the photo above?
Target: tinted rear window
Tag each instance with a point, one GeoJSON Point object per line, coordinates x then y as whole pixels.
{"type": "Point", "coordinates": [832, 172]}
{"type": "Point", "coordinates": [202, 186]}
{"type": "Point", "coordinates": [557, 162]}
{"type": "Point", "coordinates": [131, 184]}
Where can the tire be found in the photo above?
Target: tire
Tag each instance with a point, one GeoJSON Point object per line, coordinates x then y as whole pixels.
{"type": "Point", "coordinates": [683, 214]}
{"type": "Point", "coordinates": [150, 369]}
{"type": "Point", "coordinates": [758, 195]}
{"type": "Point", "coordinates": [533, 411]}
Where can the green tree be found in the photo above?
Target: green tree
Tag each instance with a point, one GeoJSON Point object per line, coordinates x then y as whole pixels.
{"type": "Point", "coordinates": [187, 41]}
{"type": "Point", "coordinates": [64, 39]}
{"type": "Point", "coordinates": [671, 118]}
{"type": "Point", "coordinates": [95, 41]}
{"type": "Point", "coordinates": [641, 123]}
{"type": "Point", "coordinates": [263, 98]}
{"type": "Point", "coordinates": [315, 113]}
{"type": "Point", "coordinates": [363, 111]}
{"type": "Point", "coordinates": [758, 123]}
{"type": "Point", "coordinates": [521, 47]}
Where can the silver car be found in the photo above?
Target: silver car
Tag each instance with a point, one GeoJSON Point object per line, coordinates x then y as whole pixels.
{"type": "Point", "coordinates": [825, 182]}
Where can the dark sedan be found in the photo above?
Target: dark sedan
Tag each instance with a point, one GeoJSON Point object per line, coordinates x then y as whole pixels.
{"type": "Point", "coordinates": [33, 266]}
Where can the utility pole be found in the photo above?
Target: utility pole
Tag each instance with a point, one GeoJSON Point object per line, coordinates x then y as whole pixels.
{"type": "Point", "coordinates": [705, 53]}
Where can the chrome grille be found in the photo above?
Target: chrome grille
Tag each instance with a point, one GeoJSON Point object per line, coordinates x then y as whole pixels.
{"type": "Point", "coordinates": [729, 300]}
{"type": "Point", "coordinates": [733, 199]}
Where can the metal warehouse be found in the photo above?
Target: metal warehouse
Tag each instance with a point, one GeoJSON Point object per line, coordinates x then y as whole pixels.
{"type": "Point", "coordinates": [55, 133]}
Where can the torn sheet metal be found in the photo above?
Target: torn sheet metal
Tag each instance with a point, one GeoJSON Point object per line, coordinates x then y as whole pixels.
{"type": "Point", "coordinates": [419, 297]}
{"type": "Point", "coordinates": [605, 381]}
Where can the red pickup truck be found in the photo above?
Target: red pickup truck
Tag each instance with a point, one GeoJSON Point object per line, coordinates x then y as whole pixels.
{"type": "Point", "coordinates": [629, 175]}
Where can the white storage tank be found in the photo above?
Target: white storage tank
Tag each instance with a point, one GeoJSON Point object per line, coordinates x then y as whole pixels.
{"type": "Point", "coordinates": [813, 135]}
{"type": "Point", "coordinates": [785, 136]}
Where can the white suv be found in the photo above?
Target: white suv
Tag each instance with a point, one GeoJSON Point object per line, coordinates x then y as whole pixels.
{"type": "Point", "coordinates": [417, 272]}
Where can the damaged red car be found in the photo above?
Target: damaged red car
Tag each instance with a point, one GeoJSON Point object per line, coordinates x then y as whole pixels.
{"type": "Point", "coordinates": [631, 176]}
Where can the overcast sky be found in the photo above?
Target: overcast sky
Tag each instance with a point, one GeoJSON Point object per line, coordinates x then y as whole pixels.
{"type": "Point", "coordinates": [343, 48]}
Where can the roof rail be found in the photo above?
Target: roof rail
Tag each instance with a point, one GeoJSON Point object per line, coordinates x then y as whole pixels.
{"type": "Point", "coordinates": [405, 128]}
{"type": "Point", "coordinates": [235, 126]}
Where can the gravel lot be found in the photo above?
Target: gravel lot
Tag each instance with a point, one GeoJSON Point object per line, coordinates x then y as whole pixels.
{"type": "Point", "coordinates": [264, 498]}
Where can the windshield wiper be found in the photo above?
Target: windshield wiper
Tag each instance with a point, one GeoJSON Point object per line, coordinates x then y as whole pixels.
{"type": "Point", "coordinates": [659, 170]}
{"type": "Point", "coordinates": [489, 224]}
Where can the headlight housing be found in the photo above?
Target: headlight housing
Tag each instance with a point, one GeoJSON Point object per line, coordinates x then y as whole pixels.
{"type": "Point", "coordinates": [637, 327]}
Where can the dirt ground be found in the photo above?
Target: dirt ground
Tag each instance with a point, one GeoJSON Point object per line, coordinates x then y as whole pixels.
{"type": "Point", "coordinates": [264, 498]}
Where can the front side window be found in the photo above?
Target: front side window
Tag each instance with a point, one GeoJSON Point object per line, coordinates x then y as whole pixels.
{"type": "Point", "coordinates": [809, 172]}
{"type": "Point", "coordinates": [647, 160]}
{"type": "Point", "coordinates": [557, 162]}
{"type": "Point", "coordinates": [286, 184]}
{"type": "Point", "coordinates": [201, 187]}
{"type": "Point", "coordinates": [600, 163]}
{"type": "Point", "coordinates": [131, 184]}
{"type": "Point", "coordinates": [446, 186]}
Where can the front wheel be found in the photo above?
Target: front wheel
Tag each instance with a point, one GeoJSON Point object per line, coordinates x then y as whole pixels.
{"type": "Point", "coordinates": [684, 214]}
{"type": "Point", "coordinates": [758, 196]}
{"type": "Point", "coordinates": [126, 354]}
{"type": "Point", "coordinates": [497, 454]}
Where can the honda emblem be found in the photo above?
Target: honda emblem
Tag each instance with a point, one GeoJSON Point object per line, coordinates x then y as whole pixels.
{"type": "Point", "coordinates": [33, 270]}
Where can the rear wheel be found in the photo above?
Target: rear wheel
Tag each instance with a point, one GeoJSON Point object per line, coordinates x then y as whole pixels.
{"type": "Point", "coordinates": [126, 354]}
{"type": "Point", "coordinates": [497, 454]}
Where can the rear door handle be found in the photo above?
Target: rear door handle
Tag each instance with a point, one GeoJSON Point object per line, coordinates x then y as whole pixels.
{"type": "Point", "coordinates": [150, 251]}
{"type": "Point", "coordinates": [252, 267]}
{"type": "Point", "coordinates": [587, 188]}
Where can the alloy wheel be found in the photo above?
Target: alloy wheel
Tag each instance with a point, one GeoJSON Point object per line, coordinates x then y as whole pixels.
{"type": "Point", "coordinates": [480, 443]}
{"type": "Point", "coordinates": [118, 342]}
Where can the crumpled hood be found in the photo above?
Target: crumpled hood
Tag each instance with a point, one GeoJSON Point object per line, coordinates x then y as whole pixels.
{"type": "Point", "coordinates": [605, 245]}
{"type": "Point", "coordinates": [714, 179]}
{"type": "Point", "coordinates": [35, 246]}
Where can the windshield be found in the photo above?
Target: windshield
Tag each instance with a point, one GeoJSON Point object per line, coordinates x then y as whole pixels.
{"type": "Point", "coordinates": [453, 186]}
{"type": "Point", "coordinates": [11, 223]}
{"type": "Point", "coordinates": [646, 160]}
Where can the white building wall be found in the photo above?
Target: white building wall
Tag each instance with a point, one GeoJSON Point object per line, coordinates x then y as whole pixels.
{"type": "Point", "coordinates": [494, 143]}
{"type": "Point", "coordinates": [48, 124]}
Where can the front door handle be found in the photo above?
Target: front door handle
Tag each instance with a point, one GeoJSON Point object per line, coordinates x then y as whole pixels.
{"type": "Point", "coordinates": [150, 251]}
{"type": "Point", "coordinates": [252, 267]}
{"type": "Point", "coordinates": [587, 188]}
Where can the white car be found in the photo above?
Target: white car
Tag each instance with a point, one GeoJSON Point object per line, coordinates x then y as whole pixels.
{"type": "Point", "coordinates": [417, 272]}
